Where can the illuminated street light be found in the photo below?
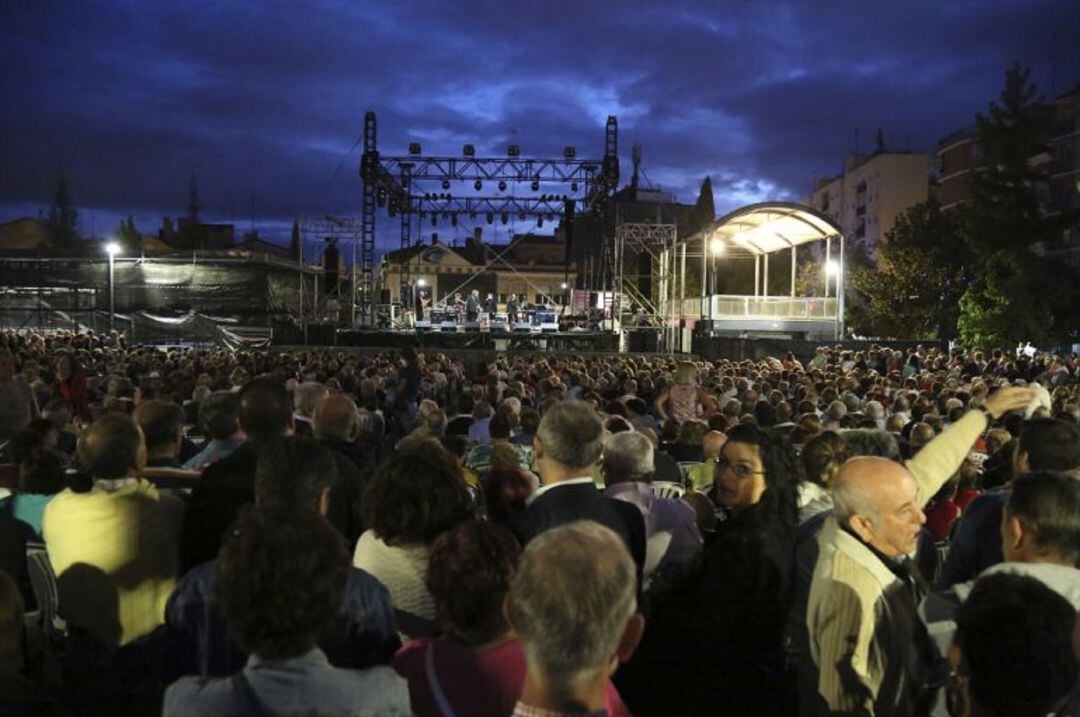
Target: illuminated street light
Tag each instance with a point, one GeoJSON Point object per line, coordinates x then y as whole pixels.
{"type": "Point", "coordinates": [112, 249]}
{"type": "Point", "coordinates": [832, 267]}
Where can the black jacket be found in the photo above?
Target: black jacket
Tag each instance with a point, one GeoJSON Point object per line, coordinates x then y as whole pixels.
{"type": "Point", "coordinates": [714, 636]}
{"type": "Point", "coordinates": [562, 504]}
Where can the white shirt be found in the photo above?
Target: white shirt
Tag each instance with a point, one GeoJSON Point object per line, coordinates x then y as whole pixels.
{"type": "Point", "coordinates": [544, 488]}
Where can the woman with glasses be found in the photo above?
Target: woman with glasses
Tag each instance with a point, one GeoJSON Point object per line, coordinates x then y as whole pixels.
{"type": "Point", "coordinates": [714, 642]}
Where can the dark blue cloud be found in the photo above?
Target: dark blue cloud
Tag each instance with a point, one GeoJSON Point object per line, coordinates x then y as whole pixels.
{"type": "Point", "coordinates": [263, 101]}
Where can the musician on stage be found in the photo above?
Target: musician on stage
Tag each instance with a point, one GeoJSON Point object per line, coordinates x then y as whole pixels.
{"type": "Point", "coordinates": [459, 308]}
{"type": "Point", "coordinates": [422, 303]}
{"type": "Point", "coordinates": [472, 306]}
{"type": "Point", "coordinates": [491, 306]}
{"type": "Point", "coordinates": [511, 310]}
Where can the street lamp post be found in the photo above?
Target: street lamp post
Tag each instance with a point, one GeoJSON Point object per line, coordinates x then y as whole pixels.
{"type": "Point", "coordinates": [716, 248]}
{"type": "Point", "coordinates": [112, 249]}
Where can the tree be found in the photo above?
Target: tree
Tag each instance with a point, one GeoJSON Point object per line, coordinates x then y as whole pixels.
{"type": "Point", "coordinates": [61, 224]}
{"type": "Point", "coordinates": [1008, 232]}
{"type": "Point", "coordinates": [294, 245]}
{"type": "Point", "coordinates": [128, 236]}
{"type": "Point", "coordinates": [914, 290]}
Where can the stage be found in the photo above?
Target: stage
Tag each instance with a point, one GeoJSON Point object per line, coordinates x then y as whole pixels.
{"type": "Point", "coordinates": [561, 341]}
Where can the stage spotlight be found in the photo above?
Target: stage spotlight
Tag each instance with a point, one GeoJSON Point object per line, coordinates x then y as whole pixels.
{"type": "Point", "coordinates": [564, 286]}
{"type": "Point", "coordinates": [414, 148]}
{"type": "Point", "coordinates": [472, 215]}
{"type": "Point", "coordinates": [490, 217]}
{"type": "Point", "coordinates": [434, 219]}
{"type": "Point", "coordinates": [423, 215]}
{"type": "Point", "coordinates": [521, 216]}
{"type": "Point", "coordinates": [540, 221]}
{"type": "Point", "coordinates": [502, 185]}
{"type": "Point", "coordinates": [569, 152]}
{"type": "Point", "coordinates": [453, 220]}
{"type": "Point", "coordinates": [468, 150]}
{"type": "Point", "coordinates": [446, 184]}
{"type": "Point", "coordinates": [478, 185]}
{"type": "Point", "coordinates": [513, 151]}
{"type": "Point", "coordinates": [504, 217]}
{"type": "Point", "coordinates": [573, 186]}
{"type": "Point", "coordinates": [535, 186]}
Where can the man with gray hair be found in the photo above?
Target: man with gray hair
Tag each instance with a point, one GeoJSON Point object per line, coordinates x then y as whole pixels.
{"type": "Point", "coordinates": [572, 646]}
{"type": "Point", "coordinates": [306, 399]}
{"type": "Point", "coordinates": [567, 445]}
{"type": "Point", "coordinates": [671, 533]}
{"type": "Point", "coordinates": [869, 652]}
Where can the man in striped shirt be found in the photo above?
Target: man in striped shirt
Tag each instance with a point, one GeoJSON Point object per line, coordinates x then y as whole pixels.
{"type": "Point", "coordinates": [871, 652]}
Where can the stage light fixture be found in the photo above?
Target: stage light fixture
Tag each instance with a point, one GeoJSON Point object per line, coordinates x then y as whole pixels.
{"type": "Point", "coordinates": [535, 186]}
{"type": "Point", "coordinates": [423, 215]}
{"type": "Point", "coordinates": [569, 152]}
{"type": "Point", "coordinates": [490, 217]}
{"type": "Point", "coordinates": [478, 185]}
{"type": "Point", "coordinates": [504, 217]}
{"type": "Point", "coordinates": [446, 184]}
{"type": "Point", "coordinates": [468, 150]}
{"type": "Point", "coordinates": [540, 221]}
{"type": "Point", "coordinates": [414, 148]}
{"type": "Point", "coordinates": [521, 216]}
{"type": "Point", "coordinates": [573, 186]}
{"type": "Point", "coordinates": [434, 219]}
{"type": "Point", "coordinates": [453, 219]}
{"type": "Point", "coordinates": [513, 151]}
{"type": "Point", "coordinates": [502, 185]}
{"type": "Point", "coordinates": [472, 215]}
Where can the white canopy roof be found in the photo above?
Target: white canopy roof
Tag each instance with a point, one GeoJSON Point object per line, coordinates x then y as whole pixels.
{"type": "Point", "coordinates": [770, 226]}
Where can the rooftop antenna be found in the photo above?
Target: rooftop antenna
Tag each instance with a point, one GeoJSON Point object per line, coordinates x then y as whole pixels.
{"type": "Point", "coordinates": [635, 154]}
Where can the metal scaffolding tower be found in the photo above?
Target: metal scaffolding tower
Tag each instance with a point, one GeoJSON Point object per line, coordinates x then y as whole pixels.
{"type": "Point", "coordinates": [641, 248]}
{"type": "Point", "coordinates": [345, 231]}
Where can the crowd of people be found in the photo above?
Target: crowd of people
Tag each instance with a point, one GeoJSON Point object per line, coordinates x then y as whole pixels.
{"type": "Point", "coordinates": [294, 532]}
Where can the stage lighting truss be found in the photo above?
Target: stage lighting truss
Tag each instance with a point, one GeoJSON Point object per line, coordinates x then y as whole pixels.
{"type": "Point", "coordinates": [388, 181]}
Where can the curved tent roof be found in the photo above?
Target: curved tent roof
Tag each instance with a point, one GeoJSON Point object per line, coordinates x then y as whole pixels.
{"type": "Point", "coordinates": [768, 227]}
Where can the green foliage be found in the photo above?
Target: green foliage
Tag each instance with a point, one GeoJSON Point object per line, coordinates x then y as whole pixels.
{"type": "Point", "coordinates": [62, 220]}
{"type": "Point", "coordinates": [1019, 292]}
{"type": "Point", "coordinates": [913, 291]}
{"type": "Point", "coordinates": [128, 236]}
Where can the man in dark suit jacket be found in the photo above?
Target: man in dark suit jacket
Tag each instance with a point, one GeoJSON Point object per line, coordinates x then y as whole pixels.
{"type": "Point", "coordinates": [567, 444]}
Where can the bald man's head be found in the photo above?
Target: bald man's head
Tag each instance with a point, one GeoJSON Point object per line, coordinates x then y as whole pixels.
{"type": "Point", "coordinates": [712, 442]}
{"type": "Point", "coordinates": [335, 419]}
{"type": "Point", "coordinates": [878, 500]}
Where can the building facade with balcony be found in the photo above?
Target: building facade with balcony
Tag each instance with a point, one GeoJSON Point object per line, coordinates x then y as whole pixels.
{"type": "Point", "coordinates": [873, 190]}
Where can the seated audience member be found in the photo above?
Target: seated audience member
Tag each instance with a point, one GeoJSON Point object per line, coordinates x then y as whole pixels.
{"type": "Point", "coordinates": [29, 681]}
{"type": "Point", "coordinates": [942, 512]}
{"type": "Point", "coordinates": [716, 630]}
{"type": "Point", "coordinates": [1012, 654]}
{"type": "Point", "coordinates": [821, 457]}
{"type": "Point", "coordinates": [568, 444]}
{"type": "Point", "coordinates": [113, 548]}
{"type": "Point", "coordinates": [1044, 445]}
{"type": "Point", "coordinates": [229, 484]}
{"type": "Point", "coordinates": [530, 421]}
{"type": "Point", "coordinates": [639, 416]}
{"type": "Point", "coordinates": [293, 475]}
{"type": "Point", "coordinates": [457, 447]}
{"type": "Point", "coordinates": [478, 430]}
{"type": "Point", "coordinates": [506, 492]}
{"type": "Point", "coordinates": [477, 666]}
{"type": "Point", "coordinates": [219, 417]}
{"type": "Point", "coordinates": [41, 476]}
{"type": "Point", "coordinates": [58, 413]}
{"type": "Point", "coordinates": [1040, 538]}
{"type": "Point", "coordinates": [478, 459]}
{"type": "Point", "coordinates": [666, 468]}
{"type": "Point", "coordinates": [702, 475]}
{"type": "Point", "coordinates": [17, 404]}
{"type": "Point", "coordinates": [572, 645]}
{"type": "Point", "coordinates": [162, 423]}
{"type": "Point", "coordinates": [671, 533]}
{"type": "Point", "coordinates": [280, 583]}
{"type": "Point", "coordinates": [687, 447]}
{"type": "Point", "coordinates": [306, 398]}
{"type": "Point", "coordinates": [416, 495]}
{"type": "Point", "coordinates": [334, 426]}
{"type": "Point", "coordinates": [371, 425]}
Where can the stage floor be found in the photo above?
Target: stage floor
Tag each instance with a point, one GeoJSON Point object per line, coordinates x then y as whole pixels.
{"type": "Point", "coordinates": [575, 341]}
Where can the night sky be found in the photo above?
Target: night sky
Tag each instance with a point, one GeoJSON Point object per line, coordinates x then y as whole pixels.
{"type": "Point", "coordinates": [264, 101]}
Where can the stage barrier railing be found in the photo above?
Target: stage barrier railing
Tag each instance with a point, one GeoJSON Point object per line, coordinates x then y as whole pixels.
{"type": "Point", "coordinates": [808, 308]}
